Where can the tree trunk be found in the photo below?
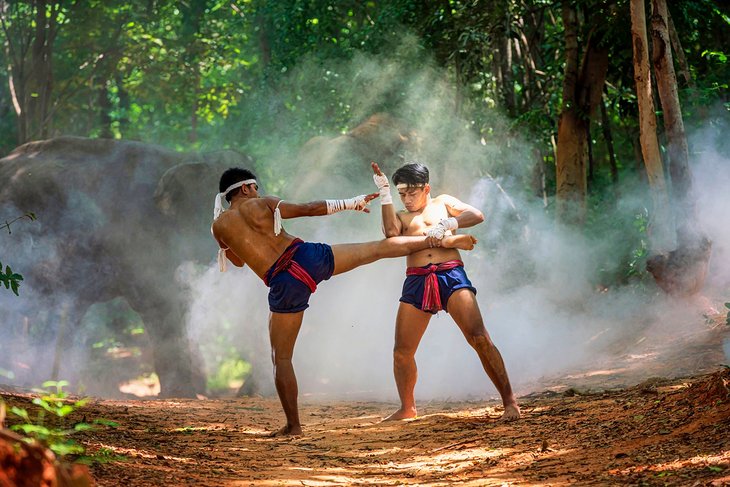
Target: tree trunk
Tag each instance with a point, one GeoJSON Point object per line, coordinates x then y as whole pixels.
{"type": "Point", "coordinates": [124, 105]}
{"type": "Point", "coordinates": [105, 109]}
{"type": "Point", "coordinates": [570, 170]}
{"type": "Point", "coordinates": [591, 162]}
{"type": "Point", "coordinates": [582, 88]}
{"type": "Point", "coordinates": [677, 152]}
{"type": "Point", "coordinates": [505, 67]}
{"type": "Point", "coordinates": [606, 127]}
{"type": "Point", "coordinates": [30, 72]}
{"type": "Point", "coordinates": [660, 227]}
{"type": "Point", "coordinates": [41, 80]}
{"type": "Point", "coordinates": [677, 46]}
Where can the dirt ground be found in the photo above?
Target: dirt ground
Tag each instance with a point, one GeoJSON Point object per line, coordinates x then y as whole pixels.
{"type": "Point", "coordinates": [593, 427]}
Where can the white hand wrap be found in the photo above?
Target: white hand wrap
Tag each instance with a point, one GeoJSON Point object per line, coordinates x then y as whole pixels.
{"type": "Point", "coordinates": [439, 230]}
{"type": "Point", "coordinates": [381, 181]}
{"type": "Point", "coordinates": [357, 203]}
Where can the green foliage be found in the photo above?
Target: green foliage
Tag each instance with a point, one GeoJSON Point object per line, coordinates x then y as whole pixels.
{"type": "Point", "coordinates": [11, 280]}
{"type": "Point", "coordinates": [50, 425]}
{"type": "Point", "coordinates": [230, 372]}
{"type": "Point", "coordinates": [727, 319]}
{"type": "Point", "coordinates": [264, 76]}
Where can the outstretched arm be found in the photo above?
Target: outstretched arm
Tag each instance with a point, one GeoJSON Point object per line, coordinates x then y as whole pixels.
{"type": "Point", "coordinates": [320, 208]}
{"type": "Point", "coordinates": [392, 226]}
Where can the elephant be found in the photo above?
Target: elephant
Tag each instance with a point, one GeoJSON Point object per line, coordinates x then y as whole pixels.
{"type": "Point", "coordinates": [115, 219]}
{"type": "Point", "coordinates": [332, 163]}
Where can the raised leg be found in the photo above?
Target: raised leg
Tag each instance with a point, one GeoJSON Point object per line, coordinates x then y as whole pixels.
{"type": "Point", "coordinates": [283, 331]}
{"type": "Point", "coordinates": [464, 308]}
{"type": "Point", "coordinates": [410, 325]}
{"type": "Point", "coordinates": [350, 256]}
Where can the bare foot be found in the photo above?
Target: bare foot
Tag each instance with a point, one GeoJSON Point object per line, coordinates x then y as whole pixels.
{"type": "Point", "coordinates": [511, 412]}
{"type": "Point", "coordinates": [462, 242]}
{"type": "Point", "coordinates": [401, 414]}
{"type": "Point", "coordinates": [287, 431]}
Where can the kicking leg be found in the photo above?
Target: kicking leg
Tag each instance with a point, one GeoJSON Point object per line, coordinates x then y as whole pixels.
{"type": "Point", "coordinates": [350, 256]}
{"type": "Point", "coordinates": [283, 331]}
{"type": "Point", "coordinates": [410, 324]}
{"type": "Point", "coordinates": [464, 309]}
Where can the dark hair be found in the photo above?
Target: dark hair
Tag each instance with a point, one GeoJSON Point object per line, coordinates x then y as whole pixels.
{"type": "Point", "coordinates": [413, 174]}
{"type": "Point", "coordinates": [232, 176]}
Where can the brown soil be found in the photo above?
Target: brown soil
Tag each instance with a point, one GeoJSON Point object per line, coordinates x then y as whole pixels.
{"type": "Point", "coordinates": [579, 430]}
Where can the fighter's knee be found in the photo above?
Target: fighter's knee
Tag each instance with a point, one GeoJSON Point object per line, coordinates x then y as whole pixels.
{"type": "Point", "coordinates": [402, 356]}
{"type": "Point", "coordinates": [479, 340]}
{"type": "Point", "coordinates": [278, 357]}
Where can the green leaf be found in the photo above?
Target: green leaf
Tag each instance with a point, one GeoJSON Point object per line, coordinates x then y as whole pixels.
{"type": "Point", "coordinates": [83, 427]}
{"type": "Point", "coordinates": [20, 412]}
{"type": "Point", "coordinates": [106, 422]}
{"type": "Point", "coordinates": [66, 448]}
{"type": "Point", "coordinates": [64, 410]}
{"type": "Point", "coordinates": [32, 429]}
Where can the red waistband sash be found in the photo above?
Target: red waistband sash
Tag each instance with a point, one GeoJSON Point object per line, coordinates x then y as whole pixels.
{"type": "Point", "coordinates": [286, 263]}
{"type": "Point", "coordinates": [431, 297]}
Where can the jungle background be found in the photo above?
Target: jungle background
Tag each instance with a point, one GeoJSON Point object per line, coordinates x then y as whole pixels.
{"type": "Point", "coordinates": [531, 110]}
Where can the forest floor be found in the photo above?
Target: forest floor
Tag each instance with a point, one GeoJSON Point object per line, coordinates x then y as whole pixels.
{"type": "Point", "coordinates": [659, 415]}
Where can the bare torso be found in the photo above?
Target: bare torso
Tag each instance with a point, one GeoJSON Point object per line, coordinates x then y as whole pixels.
{"type": "Point", "coordinates": [246, 229]}
{"type": "Point", "coordinates": [417, 223]}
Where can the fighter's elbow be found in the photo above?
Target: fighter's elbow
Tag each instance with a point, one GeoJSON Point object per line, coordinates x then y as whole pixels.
{"type": "Point", "coordinates": [391, 231]}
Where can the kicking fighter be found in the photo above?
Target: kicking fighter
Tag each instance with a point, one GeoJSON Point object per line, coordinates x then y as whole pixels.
{"type": "Point", "coordinates": [250, 232]}
{"type": "Point", "coordinates": [435, 279]}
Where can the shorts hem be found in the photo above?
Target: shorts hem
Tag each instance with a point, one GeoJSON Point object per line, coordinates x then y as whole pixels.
{"type": "Point", "coordinates": [456, 288]}
{"type": "Point", "coordinates": [285, 311]}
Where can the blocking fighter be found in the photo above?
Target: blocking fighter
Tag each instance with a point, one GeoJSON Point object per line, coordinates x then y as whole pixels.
{"type": "Point", "coordinates": [435, 280]}
{"type": "Point", "coordinates": [250, 233]}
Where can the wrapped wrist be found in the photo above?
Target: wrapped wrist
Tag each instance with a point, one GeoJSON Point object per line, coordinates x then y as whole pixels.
{"type": "Point", "coordinates": [385, 197]}
{"type": "Point", "coordinates": [381, 181]}
{"type": "Point", "coordinates": [357, 203]}
{"type": "Point", "coordinates": [439, 230]}
{"type": "Point", "coordinates": [449, 223]}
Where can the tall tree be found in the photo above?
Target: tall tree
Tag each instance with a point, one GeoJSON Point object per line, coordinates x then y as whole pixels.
{"type": "Point", "coordinates": [677, 152]}
{"type": "Point", "coordinates": [582, 91]}
{"type": "Point", "coordinates": [661, 238]}
{"type": "Point", "coordinates": [30, 30]}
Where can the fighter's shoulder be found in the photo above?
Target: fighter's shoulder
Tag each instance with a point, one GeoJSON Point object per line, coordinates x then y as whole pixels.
{"type": "Point", "coordinates": [269, 201]}
{"type": "Point", "coordinates": [445, 199]}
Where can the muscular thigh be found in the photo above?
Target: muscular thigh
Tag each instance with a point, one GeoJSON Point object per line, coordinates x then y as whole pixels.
{"type": "Point", "coordinates": [283, 331]}
{"type": "Point", "coordinates": [350, 256]}
{"type": "Point", "coordinates": [464, 309]}
{"type": "Point", "coordinates": [410, 325]}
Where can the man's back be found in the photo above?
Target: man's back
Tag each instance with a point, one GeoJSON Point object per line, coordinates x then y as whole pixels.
{"type": "Point", "coordinates": [247, 230]}
{"type": "Point", "coordinates": [417, 223]}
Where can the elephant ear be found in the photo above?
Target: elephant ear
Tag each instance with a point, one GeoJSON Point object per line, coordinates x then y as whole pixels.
{"type": "Point", "coordinates": [185, 192]}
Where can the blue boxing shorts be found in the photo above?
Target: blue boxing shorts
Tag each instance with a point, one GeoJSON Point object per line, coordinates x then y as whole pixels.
{"type": "Point", "coordinates": [448, 282]}
{"type": "Point", "coordinates": [287, 294]}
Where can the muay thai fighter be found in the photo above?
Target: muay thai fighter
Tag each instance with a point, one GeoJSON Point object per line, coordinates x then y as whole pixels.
{"type": "Point", "coordinates": [250, 232]}
{"type": "Point", "coordinates": [435, 280]}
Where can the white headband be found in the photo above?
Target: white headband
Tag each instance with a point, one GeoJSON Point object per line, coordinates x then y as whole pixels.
{"type": "Point", "coordinates": [406, 186]}
{"type": "Point", "coordinates": [218, 208]}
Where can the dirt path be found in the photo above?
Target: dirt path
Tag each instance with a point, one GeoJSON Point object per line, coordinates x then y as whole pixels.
{"type": "Point", "coordinates": [659, 432]}
{"type": "Point", "coordinates": [675, 432]}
